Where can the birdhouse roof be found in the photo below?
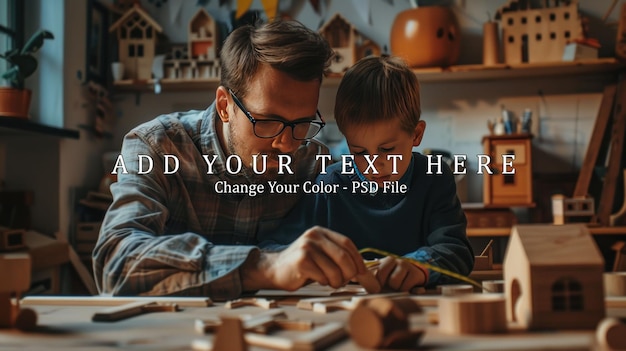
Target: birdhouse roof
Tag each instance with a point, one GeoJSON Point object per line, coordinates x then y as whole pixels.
{"type": "Point", "coordinates": [139, 11]}
{"type": "Point", "coordinates": [201, 13]}
{"type": "Point", "coordinates": [336, 17]}
{"type": "Point", "coordinates": [558, 245]}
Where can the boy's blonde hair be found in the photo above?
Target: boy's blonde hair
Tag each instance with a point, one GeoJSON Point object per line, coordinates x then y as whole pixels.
{"type": "Point", "coordinates": [378, 88]}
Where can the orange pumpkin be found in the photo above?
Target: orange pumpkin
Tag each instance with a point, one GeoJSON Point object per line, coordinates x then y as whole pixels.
{"type": "Point", "coordinates": [426, 36]}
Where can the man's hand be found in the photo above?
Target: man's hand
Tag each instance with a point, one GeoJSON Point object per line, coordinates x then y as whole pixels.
{"type": "Point", "coordinates": [319, 255]}
{"type": "Point", "coordinates": [399, 275]}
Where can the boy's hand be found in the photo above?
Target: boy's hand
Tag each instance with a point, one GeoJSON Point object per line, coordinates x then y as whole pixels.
{"type": "Point", "coordinates": [319, 255]}
{"type": "Point", "coordinates": [399, 275]}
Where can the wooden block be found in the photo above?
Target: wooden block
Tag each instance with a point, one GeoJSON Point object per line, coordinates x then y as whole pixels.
{"type": "Point", "coordinates": [45, 252]}
{"type": "Point", "coordinates": [564, 208]}
{"type": "Point", "coordinates": [26, 320]}
{"type": "Point", "coordinates": [472, 314]}
{"type": "Point", "coordinates": [611, 334]}
{"type": "Point", "coordinates": [615, 284]}
{"type": "Point", "coordinates": [307, 304]}
{"type": "Point", "coordinates": [252, 301]}
{"type": "Point", "coordinates": [230, 335]}
{"type": "Point", "coordinates": [11, 239]}
{"type": "Point", "coordinates": [493, 286]}
{"type": "Point", "coordinates": [455, 289]}
{"type": "Point", "coordinates": [8, 311]}
{"type": "Point", "coordinates": [383, 323]}
{"type": "Point", "coordinates": [483, 263]}
{"type": "Point", "coordinates": [15, 272]}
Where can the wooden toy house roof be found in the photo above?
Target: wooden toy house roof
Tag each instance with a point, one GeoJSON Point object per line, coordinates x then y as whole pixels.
{"type": "Point", "coordinates": [559, 245]}
{"type": "Point", "coordinates": [139, 11]}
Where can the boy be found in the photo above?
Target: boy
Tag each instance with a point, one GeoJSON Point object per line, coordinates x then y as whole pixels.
{"type": "Point", "coordinates": [378, 110]}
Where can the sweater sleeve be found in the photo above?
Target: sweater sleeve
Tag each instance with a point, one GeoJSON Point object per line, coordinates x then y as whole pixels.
{"type": "Point", "coordinates": [446, 243]}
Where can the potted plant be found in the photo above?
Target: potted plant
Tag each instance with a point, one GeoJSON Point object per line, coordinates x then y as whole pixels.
{"type": "Point", "coordinates": [15, 100]}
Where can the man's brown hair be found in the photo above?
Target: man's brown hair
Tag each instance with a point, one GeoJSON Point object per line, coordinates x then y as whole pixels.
{"type": "Point", "coordinates": [378, 88]}
{"type": "Point", "coordinates": [287, 46]}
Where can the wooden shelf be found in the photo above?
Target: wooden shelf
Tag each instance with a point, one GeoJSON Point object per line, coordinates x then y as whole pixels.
{"type": "Point", "coordinates": [167, 85]}
{"type": "Point", "coordinates": [518, 71]}
{"type": "Point", "coordinates": [505, 231]}
{"type": "Point", "coordinates": [23, 126]}
{"type": "Point", "coordinates": [461, 73]}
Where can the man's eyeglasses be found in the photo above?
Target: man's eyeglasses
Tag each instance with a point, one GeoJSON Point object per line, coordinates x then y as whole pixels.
{"type": "Point", "coordinates": [270, 128]}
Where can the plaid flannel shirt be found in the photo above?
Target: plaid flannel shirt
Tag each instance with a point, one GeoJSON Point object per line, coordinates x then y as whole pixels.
{"type": "Point", "coordinates": [172, 234]}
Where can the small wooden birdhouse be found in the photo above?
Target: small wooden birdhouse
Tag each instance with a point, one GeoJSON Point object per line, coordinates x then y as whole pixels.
{"type": "Point", "coordinates": [538, 34]}
{"type": "Point", "coordinates": [553, 277]}
{"type": "Point", "coordinates": [347, 43]}
{"type": "Point", "coordinates": [136, 37]}
{"type": "Point", "coordinates": [202, 37]}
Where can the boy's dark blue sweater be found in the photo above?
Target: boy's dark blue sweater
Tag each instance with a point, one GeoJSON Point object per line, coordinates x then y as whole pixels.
{"type": "Point", "coordinates": [426, 223]}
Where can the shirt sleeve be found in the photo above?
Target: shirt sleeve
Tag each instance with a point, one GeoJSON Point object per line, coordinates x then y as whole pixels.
{"type": "Point", "coordinates": [133, 255]}
{"type": "Point", "coordinates": [446, 245]}
{"type": "Point", "coordinates": [310, 211]}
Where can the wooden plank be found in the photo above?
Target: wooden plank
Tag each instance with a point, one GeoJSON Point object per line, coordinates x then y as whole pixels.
{"type": "Point", "coordinates": [618, 130]}
{"type": "Point", "coordinates": [113, 300]}
{"type": "Point", "coordinates": [595, 143]}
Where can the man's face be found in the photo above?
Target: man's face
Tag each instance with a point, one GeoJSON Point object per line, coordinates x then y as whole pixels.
{"type": "Point", "coordinates": [382, 138]}
{"type": "Point", "coordinates": [271, 95]}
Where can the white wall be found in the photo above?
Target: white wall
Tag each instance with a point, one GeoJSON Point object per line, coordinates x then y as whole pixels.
{"type": "Point", "coordinates": [50, 166]}
{"type": "Point", "coordinates": [564, 109]}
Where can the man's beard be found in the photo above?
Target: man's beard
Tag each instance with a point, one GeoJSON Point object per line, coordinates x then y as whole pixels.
{"type": "Point", "coordinates": [266, 173]}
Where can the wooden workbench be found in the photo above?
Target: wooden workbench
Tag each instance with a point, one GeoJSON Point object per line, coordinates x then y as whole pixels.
{"type": "Point", "coordinates": [69, 327]}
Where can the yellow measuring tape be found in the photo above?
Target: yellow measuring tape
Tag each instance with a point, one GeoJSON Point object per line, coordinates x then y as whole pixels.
{"type": "Point", "coordinates": [423, 264]}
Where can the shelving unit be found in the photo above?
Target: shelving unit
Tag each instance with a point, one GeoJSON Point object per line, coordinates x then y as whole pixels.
{"type": "Point", "coordinates": [21, 126]}
{"type": "Point", "coordinates": [451, 74]}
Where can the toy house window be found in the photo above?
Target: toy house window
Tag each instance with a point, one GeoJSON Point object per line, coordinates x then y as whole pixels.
{"type": "Point", "coordinates": [524, 20]}
{"type": "Point", "coordinates": [552, 17]}
{"type": "Point", "coordinates": [510, 21]}
{"type": "Point", "coordinates": [567, 295]}
{"type": "Point", "coordinates": [538, 19]}
{"type": "Point", "coordinates": [131, 50]}
{"type": "Point", "coordinates": [136, 33]}
{"type": "Point", "coordinates": [149, 32]}
{"type": "Point", "coordinates": [566, 15]}
{"type": "Point", "coordinates": [140, 50]}
{"type": "Point", "coordinates": [123, 33]}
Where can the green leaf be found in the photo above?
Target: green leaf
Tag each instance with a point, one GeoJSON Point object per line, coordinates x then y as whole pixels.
{"type": "Point", "coordinates": [14, 77]}
{"type": "Point", "coordinates": [26, 64]}
{"type": "Point", "coordinates": [36, 41]}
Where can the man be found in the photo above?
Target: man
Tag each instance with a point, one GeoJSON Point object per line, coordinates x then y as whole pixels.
{"type": "Point", "coordinates": [192, 231]}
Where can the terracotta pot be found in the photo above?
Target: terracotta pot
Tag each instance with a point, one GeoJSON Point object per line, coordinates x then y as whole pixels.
{"type": "Point", "coordinates": [426, 36]}
{"type": "Point", "coordinates": [14, 102]}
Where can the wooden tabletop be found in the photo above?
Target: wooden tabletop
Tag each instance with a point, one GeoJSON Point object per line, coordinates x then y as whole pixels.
{"type": "Point", "coordinates": [70, 327]}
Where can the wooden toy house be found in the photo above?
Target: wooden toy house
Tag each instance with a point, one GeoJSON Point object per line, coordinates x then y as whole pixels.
{"type": "Point", "coordinates": [538, 34]}
{"type": "Point", "coordinates": [347, 43]}
{"type": "Point", "coordinates": [553, 277]}
{"type": "Point", "coordinates": [202, 36]}
{"type": "Point", "coordinates": [136, 36]}
{"type": "Point", "coordinates": [197, 59]}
